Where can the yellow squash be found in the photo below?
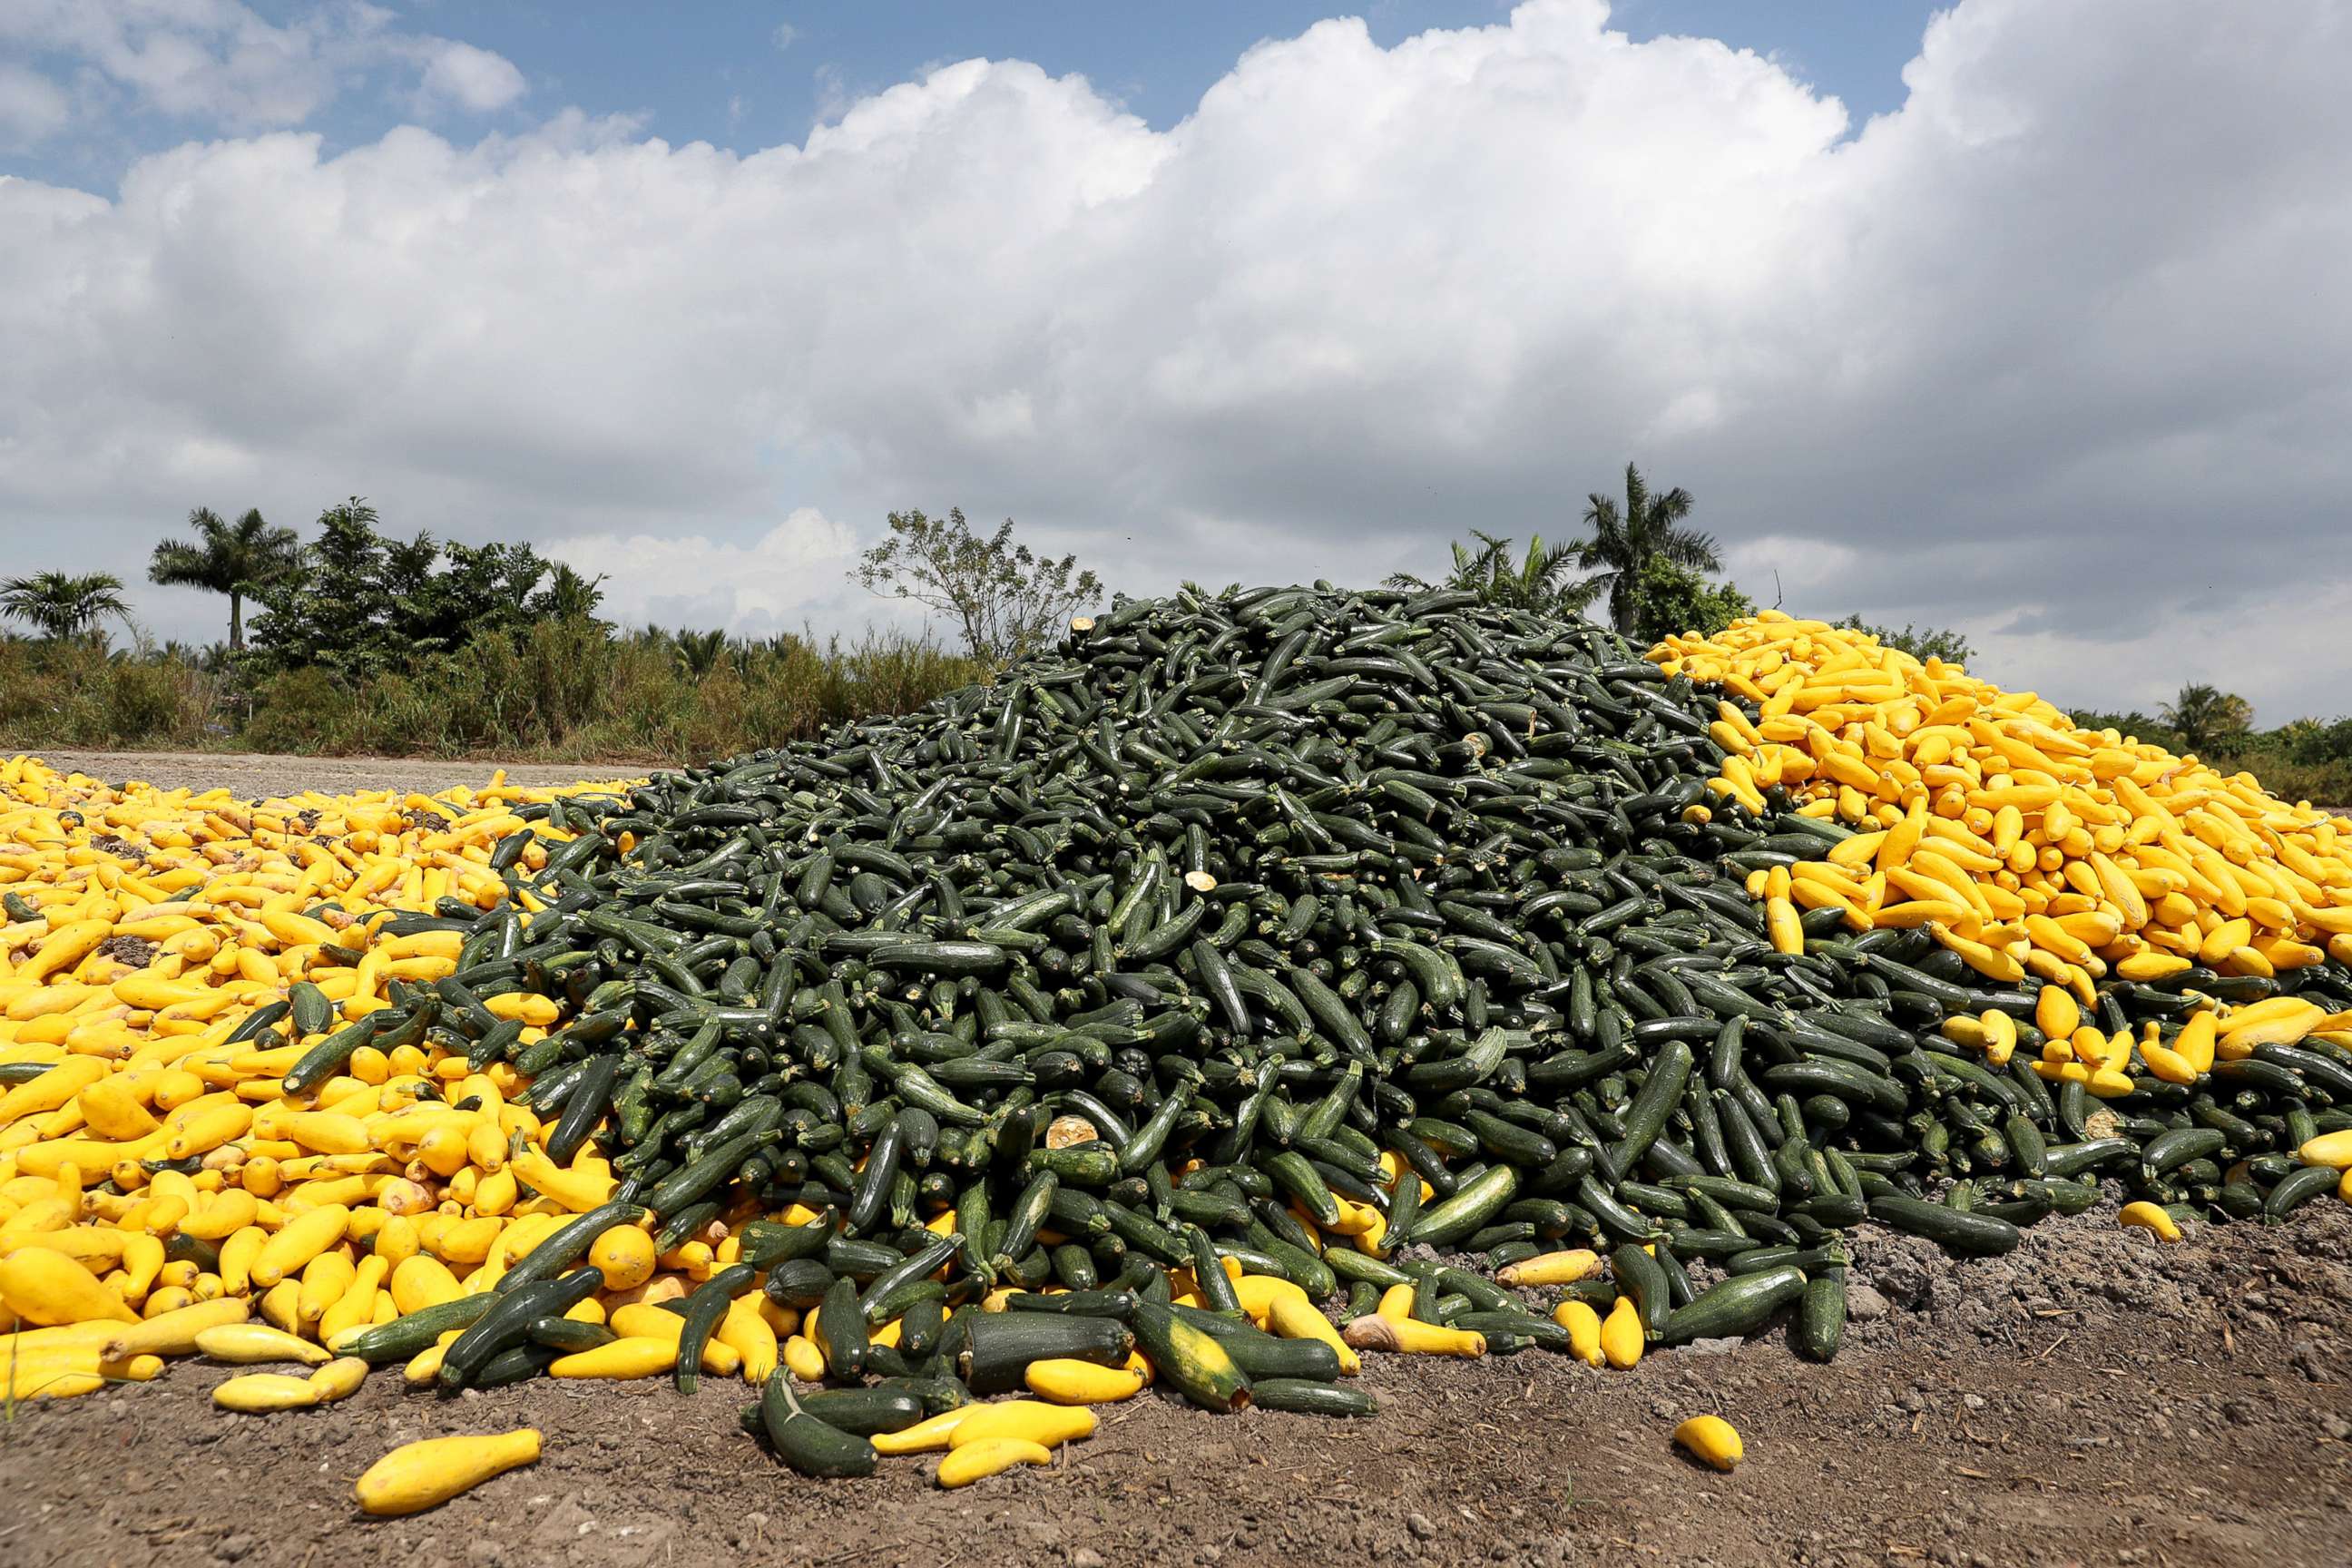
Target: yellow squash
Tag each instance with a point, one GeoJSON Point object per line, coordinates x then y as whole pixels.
{"type": "Point", "coordinates": [1712, 1440]}
{"type": "Point", "coordinates": [425, 1474]}
{"type": "Point", "coordinates": [971, 1461]}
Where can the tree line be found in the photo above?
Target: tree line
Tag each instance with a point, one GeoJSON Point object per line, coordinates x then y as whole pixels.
{"type": "Point", "coordinates": [360, 639]}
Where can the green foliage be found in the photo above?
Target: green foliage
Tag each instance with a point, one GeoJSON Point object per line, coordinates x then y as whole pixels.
{"type": "Point", "coordinates": [365, 604]}
{"type": "Point", "coordinates": [1652, 569]}
{"type": "Point", "coordinates": [1540, 580]}
{"type": "Point", "coordinates": [1922, 643]}
{"type": "Point", "coordinates": [572, 597]}
{"type": "Point", "coordinates": [696, 654]}
{"type": "Point", "coordinates": [74, 693]}
{"type": "Point", "coordinates": [1668, 598]}
{"type": "Point", "coordinates": [140, 699]}
{"type": "Point", "coordinates": [566, 689]}
{"type": "Point", "coordinates": [2208, 718]}
{"type": "Point", "coordinates": [1004, 599]}
{"type": "Point", "coordinates": [228, 558]}
{"type": "Point", "coordinates": [295, 711]}
{"type": "Point", "coordinates": [1625, 539]}
{"type": "Point", "coordinates": [60, 606]}
{"type": "Point", "coordinates": [372, 643]}
{"type": "Point", "coordinates": [2311, 744]}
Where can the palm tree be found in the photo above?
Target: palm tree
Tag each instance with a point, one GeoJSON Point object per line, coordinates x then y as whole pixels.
{"type": "Point", "coordinates": [2205, 717]}
{"type": "Point", "coordinates": [1534, 582]}
{"type": "Point", "coordinates": [570, 595]}
{"type": "Point", "coordinates": [61, 606]}
{"type": "Point", "coordinates": [1622, 542]}
{"type": "Point", "coordinates": [226, 558]}
{"type": "Point", "coordinates": [695, 654]}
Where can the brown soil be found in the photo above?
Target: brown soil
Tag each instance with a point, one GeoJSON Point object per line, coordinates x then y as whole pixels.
{"type": "Point", "coordinates": [2089, 1399]}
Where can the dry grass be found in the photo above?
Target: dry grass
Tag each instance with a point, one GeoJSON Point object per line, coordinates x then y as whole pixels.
{"type": "Point", "coordinates": [561, 691]}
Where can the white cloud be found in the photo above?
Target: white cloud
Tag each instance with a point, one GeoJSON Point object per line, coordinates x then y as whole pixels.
{"type": "Point", "coordinates": [221, 63]}
{"type": "Point", "coordinates": [31, 106]}
{"type": "Point", "coordinates": [795, 570]}
{"type": "Point", "coordinates": [2045, 353]}
{"type": "Point", "coordinates": [785, 36]}
{"type": "Point", "coordinates": [2296, 625]}
{"type": "Point", "coordinates": [471, 79]}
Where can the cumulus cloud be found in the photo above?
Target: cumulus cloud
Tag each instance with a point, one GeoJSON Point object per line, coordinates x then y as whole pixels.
{"type": "Point", "coordinates": [2058, 352]}
{"type": "Point", "coordinates": [770, 584]}
{"type": "Point", "coordinates": [473, 80]}
{"type": "Point", "coordinates": [222, 64]}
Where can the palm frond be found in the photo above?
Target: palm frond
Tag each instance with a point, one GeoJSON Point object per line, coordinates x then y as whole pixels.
{"type": "Point", "coordinates": [1689, 547]}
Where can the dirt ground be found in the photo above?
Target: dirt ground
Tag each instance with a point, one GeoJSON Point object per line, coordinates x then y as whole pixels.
{"type": "Point", "coordinates": [258, 773]}
{"type": "Point", "coordinates": [2090, 1399]}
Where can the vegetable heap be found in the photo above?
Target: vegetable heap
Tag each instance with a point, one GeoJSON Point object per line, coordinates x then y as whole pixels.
{"type": "Point", "coordinates": [1240, 955]}
{"type": "Point", "coordinates": [2026, 844]}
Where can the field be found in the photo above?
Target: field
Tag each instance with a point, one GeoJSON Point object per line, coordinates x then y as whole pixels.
{"type": "Point", "coordinates": [2083, 1399]}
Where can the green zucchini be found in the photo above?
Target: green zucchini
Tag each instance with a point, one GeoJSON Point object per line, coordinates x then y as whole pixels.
{"type": "Point", "coordinates": [808, 1443]}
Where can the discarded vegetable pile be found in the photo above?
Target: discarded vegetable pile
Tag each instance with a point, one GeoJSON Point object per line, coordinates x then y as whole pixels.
{"type": "Point", "coordinates": [2024, 842]}
{"type": "Point", "coordinates": [1093, 1026]}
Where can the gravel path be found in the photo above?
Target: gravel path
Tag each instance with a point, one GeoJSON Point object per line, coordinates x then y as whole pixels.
{"type": "Point", "coordinates": [255, 774]}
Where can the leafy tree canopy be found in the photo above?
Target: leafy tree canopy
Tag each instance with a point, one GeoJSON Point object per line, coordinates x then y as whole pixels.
{"type": "Point", "coordinates": [363, 603]}
{"type": "Point", "coordinates": [1668, 598]}
{"type": "Point", "coordinates": [1543, 579]}
{"type": "Point", "coordinates": [1624, 540]}
{"type": "Point", "coordinates": [228, 558]}
{"type": "Point", "coordinates": [58, 605]}
{"type": "Point", "coordinates": [1003, 598]}
{"type": "Point", "coordinates": [2207, 718]}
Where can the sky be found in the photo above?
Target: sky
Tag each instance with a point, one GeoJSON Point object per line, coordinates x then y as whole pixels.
{"type": "Point", "coordinates": [2029, 317]}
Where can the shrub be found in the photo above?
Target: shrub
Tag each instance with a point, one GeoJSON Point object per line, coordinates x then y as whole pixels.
{"type": "Point", "coordinates": [294, 712]}
{"type": "Point", "coordinates": [142, 699]}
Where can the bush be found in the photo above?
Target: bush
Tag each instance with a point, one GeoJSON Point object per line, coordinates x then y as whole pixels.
{"type": "Point", "coordinates": [293, 711]}
{"type": "Point", "coordinates": [75, 693]}
{"type": "Point", "coordinates": [142, 699]}
{"type": "Point", "coordinates": [561, 689]}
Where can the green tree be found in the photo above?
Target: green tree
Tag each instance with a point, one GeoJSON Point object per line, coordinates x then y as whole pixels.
{"type": "Point", "coordinates": [2206, 718]}
{"type": "Point", "coordinates": [334, 614]}
{"type": "Point", "coordinates": [2314, 743]}
{"type": "Point", "coordinates": [493, 589]}
{"type": "Point", "coordinates": [1922, 643]}
{"type": "Point", "coordinates": [228, 558]}
{"type": "Point", "coordinates": [368, 603]}
{"type": "Point", "coordinates": [694, 655]}
{"type": "Point", "coordinates": [1543, 579]}
{"type": "Point", "coordinates": [569, 597]}
{"type": "Point", "coordinates": [1670, 598]}
{"type": "Point", "coordinates": [1004, 599]}
{"type": "Point", "coordinates": [60, 606]}
{"type": "Point", "coordinates": [1625, 540]}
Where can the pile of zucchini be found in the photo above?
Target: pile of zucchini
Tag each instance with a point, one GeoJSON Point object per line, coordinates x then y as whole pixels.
{"type": "Point", "coordinates": [1147, 955]}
